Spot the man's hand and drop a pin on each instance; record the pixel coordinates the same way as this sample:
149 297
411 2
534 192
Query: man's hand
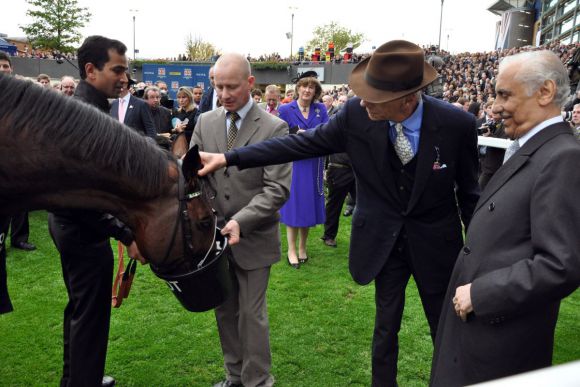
232 231
462 301
211 162
133 252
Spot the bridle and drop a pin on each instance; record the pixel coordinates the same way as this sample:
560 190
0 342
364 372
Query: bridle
183 217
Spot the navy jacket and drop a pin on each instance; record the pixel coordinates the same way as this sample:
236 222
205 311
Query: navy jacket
440 199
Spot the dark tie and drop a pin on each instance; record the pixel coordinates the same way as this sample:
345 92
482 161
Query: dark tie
233 129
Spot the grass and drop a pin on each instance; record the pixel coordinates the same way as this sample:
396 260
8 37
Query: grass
320 326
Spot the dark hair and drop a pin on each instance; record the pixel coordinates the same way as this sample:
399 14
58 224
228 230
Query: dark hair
95 50
6 57
256 92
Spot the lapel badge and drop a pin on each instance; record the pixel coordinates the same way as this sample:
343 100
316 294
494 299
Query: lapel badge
130 106
317 110
437 164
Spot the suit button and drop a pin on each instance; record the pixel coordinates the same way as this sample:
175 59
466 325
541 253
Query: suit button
227 197
466 250
491 206
395 234
402 188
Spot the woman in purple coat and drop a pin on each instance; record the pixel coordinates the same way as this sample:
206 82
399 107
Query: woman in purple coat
305 207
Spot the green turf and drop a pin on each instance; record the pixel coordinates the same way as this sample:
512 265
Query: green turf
320 326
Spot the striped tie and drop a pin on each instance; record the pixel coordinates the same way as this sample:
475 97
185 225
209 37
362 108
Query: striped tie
233 129
509 152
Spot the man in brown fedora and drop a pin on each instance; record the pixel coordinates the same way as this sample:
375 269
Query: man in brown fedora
415 159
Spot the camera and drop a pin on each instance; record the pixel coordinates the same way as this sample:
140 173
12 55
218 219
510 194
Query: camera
483 129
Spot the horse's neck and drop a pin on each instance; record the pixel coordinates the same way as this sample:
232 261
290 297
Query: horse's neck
46 179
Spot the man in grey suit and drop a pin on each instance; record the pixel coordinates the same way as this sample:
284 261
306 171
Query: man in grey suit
247 203
272 97
522 248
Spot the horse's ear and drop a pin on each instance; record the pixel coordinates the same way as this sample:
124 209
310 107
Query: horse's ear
179 146
191 163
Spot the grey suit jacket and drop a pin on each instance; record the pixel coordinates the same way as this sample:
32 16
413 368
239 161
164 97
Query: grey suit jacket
251 196
522 256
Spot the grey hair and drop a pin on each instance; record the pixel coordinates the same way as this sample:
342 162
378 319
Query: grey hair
540 66
148 89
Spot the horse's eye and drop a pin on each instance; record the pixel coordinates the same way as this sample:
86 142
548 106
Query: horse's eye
206 222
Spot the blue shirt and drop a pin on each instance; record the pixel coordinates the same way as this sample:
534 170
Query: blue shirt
411 127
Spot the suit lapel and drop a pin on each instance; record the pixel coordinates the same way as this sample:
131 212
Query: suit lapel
219 130
378 137
426 154
517 161
248 128
130 109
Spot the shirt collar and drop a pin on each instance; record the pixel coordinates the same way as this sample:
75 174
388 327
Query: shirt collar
413 122
245 109
126 98
550 121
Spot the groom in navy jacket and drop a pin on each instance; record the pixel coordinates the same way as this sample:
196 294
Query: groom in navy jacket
415 160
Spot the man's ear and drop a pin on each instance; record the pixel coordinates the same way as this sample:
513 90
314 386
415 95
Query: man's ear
90 70
191 163
546 93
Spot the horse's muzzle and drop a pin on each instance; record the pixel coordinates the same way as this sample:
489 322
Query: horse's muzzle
206 287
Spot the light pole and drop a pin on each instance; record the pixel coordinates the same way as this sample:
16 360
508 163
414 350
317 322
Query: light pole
134 11
292 9
440 24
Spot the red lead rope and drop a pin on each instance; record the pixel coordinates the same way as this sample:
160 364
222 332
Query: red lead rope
123 279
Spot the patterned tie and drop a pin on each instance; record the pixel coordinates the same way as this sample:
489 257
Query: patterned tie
233 129
509 152
121 110
402 145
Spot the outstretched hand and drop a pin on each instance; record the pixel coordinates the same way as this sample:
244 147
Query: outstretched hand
211 162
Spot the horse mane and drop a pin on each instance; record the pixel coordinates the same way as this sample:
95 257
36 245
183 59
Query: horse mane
82 132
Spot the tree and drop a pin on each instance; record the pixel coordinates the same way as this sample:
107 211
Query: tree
334 32
56 24
199 50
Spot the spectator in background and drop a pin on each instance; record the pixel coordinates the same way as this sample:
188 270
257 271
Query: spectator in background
165 100
160 115
133 112
305 207
289 96
256 95
328 102
493 158
185 113
209 101
44 80
68 85
272 103
575 122
197 95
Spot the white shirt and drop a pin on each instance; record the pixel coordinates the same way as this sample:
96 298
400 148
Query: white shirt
542 125
243 112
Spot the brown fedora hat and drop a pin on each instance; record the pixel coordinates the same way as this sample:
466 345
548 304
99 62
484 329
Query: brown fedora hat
394 70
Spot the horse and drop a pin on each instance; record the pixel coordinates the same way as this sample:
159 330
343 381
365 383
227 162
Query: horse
57 152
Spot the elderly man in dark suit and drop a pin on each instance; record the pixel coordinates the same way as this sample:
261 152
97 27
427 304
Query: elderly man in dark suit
415 159
522 249
247 204
133 112
160 115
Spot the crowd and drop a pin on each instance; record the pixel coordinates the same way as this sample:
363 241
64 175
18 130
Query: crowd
413 197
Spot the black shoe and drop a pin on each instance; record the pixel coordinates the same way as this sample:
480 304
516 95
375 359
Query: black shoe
302 260
330 242
24 246
108 381
294 265
227 383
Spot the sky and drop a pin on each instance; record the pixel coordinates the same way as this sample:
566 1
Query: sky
259 27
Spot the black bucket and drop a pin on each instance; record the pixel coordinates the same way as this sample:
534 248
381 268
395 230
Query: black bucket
206 287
